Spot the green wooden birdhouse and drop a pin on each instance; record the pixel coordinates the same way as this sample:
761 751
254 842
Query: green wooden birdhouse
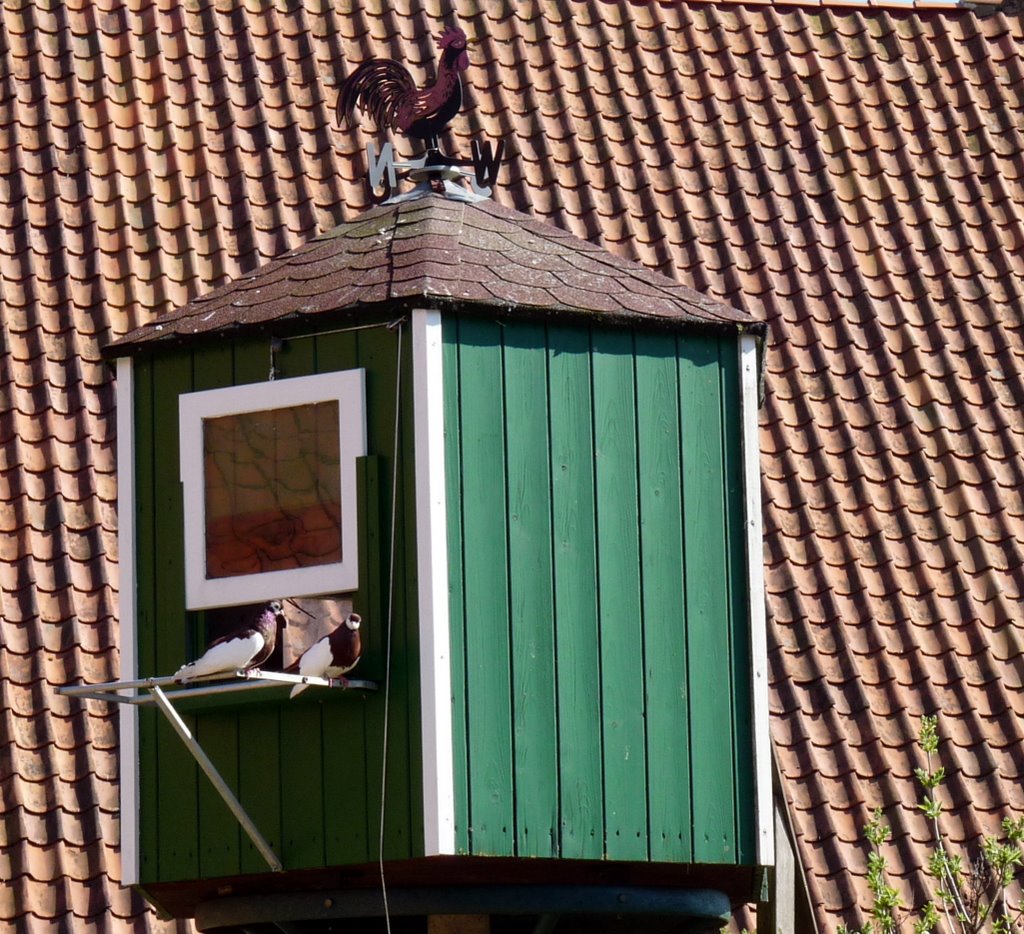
530 467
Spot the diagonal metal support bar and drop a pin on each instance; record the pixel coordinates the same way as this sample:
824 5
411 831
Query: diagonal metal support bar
181 728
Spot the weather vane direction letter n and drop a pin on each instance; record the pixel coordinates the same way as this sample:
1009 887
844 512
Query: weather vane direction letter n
382 171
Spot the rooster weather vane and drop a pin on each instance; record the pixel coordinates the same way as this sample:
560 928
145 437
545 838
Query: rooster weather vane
386 91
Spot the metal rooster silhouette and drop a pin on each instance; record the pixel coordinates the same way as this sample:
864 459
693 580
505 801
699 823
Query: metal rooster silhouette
385 89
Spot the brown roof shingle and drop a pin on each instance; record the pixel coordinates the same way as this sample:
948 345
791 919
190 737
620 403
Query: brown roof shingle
851 175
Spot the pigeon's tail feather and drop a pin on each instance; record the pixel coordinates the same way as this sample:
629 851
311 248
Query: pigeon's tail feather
196 669
298 689
193 670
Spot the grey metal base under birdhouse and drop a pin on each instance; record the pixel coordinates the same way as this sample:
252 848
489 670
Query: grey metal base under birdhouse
691 909
110 692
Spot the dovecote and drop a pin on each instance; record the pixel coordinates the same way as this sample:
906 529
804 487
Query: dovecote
554 515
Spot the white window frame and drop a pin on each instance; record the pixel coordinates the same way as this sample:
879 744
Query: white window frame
348 389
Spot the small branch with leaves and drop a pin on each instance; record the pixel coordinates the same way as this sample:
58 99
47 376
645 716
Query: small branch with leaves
967 899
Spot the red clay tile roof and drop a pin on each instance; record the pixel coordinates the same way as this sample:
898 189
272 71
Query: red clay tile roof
852 175
452 254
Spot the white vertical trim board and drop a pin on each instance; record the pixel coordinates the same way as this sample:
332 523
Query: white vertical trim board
758 621
128 713
432 574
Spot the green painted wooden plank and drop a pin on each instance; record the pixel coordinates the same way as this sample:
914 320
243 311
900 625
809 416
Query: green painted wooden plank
149 808
172 376
145 544
620 620
739 585
456 606
259 781
251 360
371 595
219 842
346 828
337 351
377 352
302 787
178 853
350 834
408 567
578 661
401 834
178 774
368 601
484 558
534 702
372 666
664 611
707 601
297 357
213 366
217 732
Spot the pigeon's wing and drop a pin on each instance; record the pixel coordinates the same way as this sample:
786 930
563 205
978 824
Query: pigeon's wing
314 662
316 659
226 654
336 671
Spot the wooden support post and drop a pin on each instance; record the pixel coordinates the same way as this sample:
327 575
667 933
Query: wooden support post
459 924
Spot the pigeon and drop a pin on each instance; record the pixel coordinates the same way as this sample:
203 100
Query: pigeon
245 648
332 656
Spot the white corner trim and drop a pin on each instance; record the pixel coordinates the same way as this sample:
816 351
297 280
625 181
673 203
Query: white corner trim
765 817
432 574
129 714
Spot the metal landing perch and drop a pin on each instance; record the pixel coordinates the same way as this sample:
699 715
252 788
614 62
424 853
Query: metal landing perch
110 692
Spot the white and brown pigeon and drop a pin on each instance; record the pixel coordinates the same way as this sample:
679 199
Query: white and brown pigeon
332 656
243 649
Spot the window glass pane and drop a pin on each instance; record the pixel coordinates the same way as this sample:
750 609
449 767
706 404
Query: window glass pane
272 483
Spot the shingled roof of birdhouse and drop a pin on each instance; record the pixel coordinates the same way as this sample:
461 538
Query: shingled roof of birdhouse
442 252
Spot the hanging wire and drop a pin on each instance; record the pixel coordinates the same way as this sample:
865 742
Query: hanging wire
277 343
348 329
390 617
275 347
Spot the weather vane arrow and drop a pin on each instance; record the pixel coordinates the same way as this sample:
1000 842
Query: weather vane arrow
386 91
